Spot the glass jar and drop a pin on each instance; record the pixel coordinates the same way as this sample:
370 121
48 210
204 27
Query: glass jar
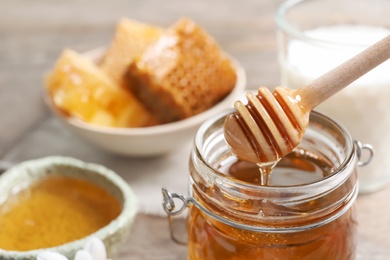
234 219
315 36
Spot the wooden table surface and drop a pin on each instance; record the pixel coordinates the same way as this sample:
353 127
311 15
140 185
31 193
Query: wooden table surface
32 34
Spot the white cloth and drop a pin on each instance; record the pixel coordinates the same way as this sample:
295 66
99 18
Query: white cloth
146 176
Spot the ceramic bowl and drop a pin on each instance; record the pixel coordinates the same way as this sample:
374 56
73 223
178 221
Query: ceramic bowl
148 141
113 234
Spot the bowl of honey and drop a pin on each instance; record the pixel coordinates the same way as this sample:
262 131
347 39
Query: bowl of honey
58 203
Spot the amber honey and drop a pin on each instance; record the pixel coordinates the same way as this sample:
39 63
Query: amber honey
298 167
54 211
305 210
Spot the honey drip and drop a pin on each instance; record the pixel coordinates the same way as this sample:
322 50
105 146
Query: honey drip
265 170
297 168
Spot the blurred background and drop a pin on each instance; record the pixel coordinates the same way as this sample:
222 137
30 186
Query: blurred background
33 33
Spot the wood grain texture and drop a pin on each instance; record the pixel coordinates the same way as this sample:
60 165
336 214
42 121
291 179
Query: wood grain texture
32 34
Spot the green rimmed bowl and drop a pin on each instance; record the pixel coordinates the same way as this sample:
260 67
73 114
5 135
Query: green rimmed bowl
30 172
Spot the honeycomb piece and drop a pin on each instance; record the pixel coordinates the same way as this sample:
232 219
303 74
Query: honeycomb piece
79 88
130 41
182 74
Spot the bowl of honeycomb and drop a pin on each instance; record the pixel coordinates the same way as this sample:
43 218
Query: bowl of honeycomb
147 93
57 204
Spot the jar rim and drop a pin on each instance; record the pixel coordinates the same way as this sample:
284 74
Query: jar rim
337 177
265 203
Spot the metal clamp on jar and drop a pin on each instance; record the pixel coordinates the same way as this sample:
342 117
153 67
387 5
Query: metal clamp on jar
306 212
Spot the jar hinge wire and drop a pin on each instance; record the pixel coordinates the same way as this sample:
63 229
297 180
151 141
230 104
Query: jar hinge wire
170 208
359 151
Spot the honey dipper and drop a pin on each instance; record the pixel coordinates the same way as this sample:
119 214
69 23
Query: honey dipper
272 124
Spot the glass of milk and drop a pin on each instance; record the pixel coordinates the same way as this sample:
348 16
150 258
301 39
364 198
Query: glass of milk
316 35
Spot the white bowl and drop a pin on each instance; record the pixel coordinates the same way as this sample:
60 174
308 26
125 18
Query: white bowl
113 235
154 140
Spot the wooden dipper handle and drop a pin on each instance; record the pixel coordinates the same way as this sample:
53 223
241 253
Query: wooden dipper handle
272 124
341 76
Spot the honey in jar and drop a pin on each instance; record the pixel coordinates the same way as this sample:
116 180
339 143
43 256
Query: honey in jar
305 210
54 211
